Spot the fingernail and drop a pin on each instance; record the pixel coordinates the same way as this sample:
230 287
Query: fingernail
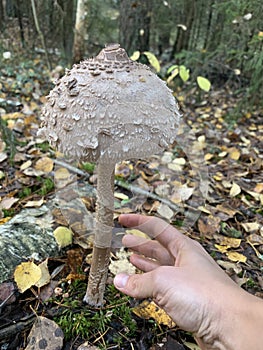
121 280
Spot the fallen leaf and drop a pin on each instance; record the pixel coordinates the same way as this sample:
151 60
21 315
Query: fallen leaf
231 242
3 156
221 248
227 265
236 257
192 346
45 276
259 187
255 239
234 153
26 275
63 236
26 165
235 190
34 204
165 211
208 225
33 172
45 334
148 309
250 226
120 195
7 203
181 193
44 164
137 233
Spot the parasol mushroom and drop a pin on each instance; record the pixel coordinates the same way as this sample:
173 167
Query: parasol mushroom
108 109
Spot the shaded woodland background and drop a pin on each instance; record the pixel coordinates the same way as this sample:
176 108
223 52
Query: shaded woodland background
222 40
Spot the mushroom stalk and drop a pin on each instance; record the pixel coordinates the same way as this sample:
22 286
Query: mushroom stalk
103 235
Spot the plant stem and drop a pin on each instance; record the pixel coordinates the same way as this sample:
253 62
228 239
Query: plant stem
103 235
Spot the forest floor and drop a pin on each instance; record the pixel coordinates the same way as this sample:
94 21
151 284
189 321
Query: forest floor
213 171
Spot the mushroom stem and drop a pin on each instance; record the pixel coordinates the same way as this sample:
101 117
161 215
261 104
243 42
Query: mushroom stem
103 235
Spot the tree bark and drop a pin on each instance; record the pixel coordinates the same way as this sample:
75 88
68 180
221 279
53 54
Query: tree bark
33 5
80 30
134 25
2 16
183 36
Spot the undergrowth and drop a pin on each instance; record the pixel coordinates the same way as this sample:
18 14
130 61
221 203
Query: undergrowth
112 324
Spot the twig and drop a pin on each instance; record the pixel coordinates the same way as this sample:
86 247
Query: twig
151 195
33 5
125 185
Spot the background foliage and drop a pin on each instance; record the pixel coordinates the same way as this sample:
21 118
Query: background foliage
220 39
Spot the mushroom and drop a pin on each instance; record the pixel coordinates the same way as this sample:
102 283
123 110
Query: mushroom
108 109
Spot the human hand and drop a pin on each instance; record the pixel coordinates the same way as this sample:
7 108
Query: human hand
185 281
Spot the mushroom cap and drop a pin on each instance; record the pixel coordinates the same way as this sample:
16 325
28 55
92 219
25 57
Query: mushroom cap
106 101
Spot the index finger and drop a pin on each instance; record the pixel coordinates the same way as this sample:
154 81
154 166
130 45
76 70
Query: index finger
154 227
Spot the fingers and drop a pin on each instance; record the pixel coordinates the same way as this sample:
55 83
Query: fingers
144 264
153 227
137 286
149 248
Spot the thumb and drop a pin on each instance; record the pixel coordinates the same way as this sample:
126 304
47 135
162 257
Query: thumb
137 286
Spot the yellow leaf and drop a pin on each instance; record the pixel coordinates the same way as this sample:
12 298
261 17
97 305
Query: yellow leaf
44 164
208 156
63 236
26 275
120 195
259 187
26 165
221 248
137 233
260 34
135 55
231 242
175 72
218 176
235 190
236 257
149 309
45 276
203 83
234 154
153 60
62 174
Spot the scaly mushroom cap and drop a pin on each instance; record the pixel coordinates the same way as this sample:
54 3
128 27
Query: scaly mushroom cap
105 100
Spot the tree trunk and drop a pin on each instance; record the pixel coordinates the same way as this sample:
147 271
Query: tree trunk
183 36
2 17
80 30
20 21
134 25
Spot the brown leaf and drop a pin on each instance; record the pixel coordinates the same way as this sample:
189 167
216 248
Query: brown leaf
45 334
7 203
208 225
44 164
